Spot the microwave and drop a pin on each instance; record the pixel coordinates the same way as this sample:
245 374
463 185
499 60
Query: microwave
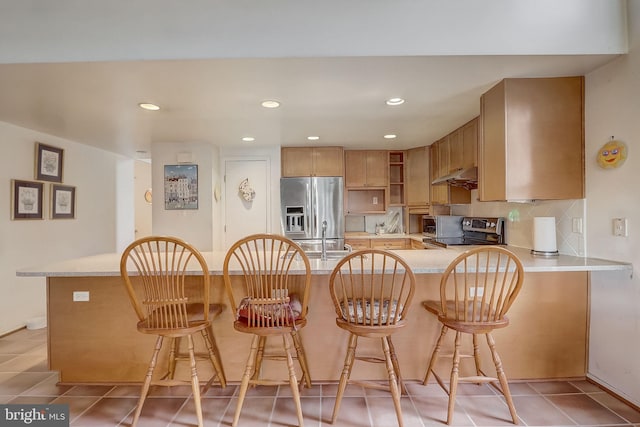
442 225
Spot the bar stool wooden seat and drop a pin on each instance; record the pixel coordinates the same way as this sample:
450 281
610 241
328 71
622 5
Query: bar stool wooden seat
168 283
476 291
371 291
270 301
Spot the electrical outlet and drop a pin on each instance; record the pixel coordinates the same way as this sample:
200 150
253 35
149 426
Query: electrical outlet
620 227
81 296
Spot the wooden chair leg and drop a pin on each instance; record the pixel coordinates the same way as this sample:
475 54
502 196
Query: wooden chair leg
502 377
195 384
455 373
396 365
302 358
258 358
173 353
293 380
147 380
346 373
476 356
215 362
246 377
434 355
393 381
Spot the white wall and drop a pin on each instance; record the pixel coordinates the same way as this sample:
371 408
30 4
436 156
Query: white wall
273 155
143 216
612 109
196 226
100 218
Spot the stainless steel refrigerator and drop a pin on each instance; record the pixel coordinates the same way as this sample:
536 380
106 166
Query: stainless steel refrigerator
305 203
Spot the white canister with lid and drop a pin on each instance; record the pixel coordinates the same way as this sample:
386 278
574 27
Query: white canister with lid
544 236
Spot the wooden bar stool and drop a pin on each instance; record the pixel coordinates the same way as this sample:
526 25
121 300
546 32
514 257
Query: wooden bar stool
168 283
371 291
476 291
270 301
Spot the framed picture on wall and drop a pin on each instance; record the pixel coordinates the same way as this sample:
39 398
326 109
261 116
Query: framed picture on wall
48 163
63 201
180 187
26 199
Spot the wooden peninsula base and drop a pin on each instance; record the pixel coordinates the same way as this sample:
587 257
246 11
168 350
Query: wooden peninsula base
97 341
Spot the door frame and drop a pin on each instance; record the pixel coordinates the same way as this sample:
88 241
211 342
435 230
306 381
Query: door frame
223 198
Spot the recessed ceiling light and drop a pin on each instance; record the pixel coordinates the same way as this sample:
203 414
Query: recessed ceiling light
148 106
313 138
390 136
248 139
395 101
270 103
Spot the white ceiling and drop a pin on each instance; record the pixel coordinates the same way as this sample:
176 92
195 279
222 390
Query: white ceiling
338 98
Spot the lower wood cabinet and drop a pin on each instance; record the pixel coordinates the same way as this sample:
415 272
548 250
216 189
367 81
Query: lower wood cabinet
389 243
417 245
357 244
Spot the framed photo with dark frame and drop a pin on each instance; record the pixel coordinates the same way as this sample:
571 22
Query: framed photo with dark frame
49 163
63 201
26 199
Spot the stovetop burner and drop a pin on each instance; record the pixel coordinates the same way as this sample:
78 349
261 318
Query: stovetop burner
445 242
476 231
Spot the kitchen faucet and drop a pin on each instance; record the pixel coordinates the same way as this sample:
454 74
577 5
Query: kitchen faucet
323 256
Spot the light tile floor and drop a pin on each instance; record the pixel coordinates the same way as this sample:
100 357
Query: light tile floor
24 378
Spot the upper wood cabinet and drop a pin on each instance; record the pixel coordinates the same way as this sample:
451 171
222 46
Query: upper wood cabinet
531 143
397 176
444 157
454 151
312 161
444 194
469 135
439 192
459 149
366 168
417 176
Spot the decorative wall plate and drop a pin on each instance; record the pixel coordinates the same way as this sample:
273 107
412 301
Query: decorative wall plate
612 154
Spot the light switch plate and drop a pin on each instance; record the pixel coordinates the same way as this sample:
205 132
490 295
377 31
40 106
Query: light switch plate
576 225
620 227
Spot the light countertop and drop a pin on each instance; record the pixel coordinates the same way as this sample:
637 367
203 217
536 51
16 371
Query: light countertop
365 235
432 261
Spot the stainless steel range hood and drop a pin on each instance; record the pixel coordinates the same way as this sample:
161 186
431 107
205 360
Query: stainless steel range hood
466 178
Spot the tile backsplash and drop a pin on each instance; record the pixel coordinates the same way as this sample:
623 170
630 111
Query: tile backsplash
519 220
392 221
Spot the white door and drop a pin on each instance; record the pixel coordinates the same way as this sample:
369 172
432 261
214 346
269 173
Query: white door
242 216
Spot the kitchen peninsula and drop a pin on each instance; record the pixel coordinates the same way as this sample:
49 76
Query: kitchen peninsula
96 341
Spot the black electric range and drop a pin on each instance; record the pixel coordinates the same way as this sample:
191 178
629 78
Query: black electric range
475 231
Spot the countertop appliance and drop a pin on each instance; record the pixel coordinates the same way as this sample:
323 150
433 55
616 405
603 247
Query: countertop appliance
434 226
475 231
306 203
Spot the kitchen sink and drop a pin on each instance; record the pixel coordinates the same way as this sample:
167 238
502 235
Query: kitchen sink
331 254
